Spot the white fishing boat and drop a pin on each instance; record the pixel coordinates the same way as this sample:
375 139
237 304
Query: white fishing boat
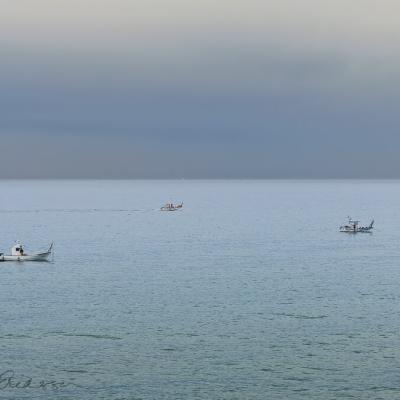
18 254
171 207
353 227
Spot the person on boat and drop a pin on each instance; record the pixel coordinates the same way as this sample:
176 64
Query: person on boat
20 250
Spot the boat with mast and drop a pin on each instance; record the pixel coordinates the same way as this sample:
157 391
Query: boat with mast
18 254
353 227
171 207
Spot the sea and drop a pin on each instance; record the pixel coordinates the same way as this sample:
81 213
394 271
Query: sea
250 292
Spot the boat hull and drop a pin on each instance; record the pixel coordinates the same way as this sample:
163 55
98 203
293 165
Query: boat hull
29 257
357 231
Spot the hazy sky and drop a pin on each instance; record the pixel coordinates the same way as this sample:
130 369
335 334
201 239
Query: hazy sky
200 88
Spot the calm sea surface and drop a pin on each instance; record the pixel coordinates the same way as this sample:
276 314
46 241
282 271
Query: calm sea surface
250 292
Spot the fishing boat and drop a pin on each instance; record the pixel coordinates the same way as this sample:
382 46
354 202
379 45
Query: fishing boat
18 254
171 207
353 227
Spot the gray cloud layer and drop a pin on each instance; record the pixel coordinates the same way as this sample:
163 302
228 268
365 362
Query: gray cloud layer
120 89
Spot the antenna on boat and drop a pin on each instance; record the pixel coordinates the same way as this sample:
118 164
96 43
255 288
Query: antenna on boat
52 251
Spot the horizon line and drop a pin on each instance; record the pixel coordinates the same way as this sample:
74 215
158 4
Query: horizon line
199 179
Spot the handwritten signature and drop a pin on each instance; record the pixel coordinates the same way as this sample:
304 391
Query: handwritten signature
10 380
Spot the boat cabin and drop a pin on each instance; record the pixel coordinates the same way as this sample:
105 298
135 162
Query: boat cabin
17 250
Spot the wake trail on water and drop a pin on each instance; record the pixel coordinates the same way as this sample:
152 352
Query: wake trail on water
87 210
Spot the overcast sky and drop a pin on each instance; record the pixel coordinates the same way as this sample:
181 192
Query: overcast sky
199 88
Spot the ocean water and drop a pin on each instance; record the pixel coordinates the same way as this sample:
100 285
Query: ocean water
250 292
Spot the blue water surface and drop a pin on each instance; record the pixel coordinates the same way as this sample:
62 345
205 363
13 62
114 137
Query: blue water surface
249 292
